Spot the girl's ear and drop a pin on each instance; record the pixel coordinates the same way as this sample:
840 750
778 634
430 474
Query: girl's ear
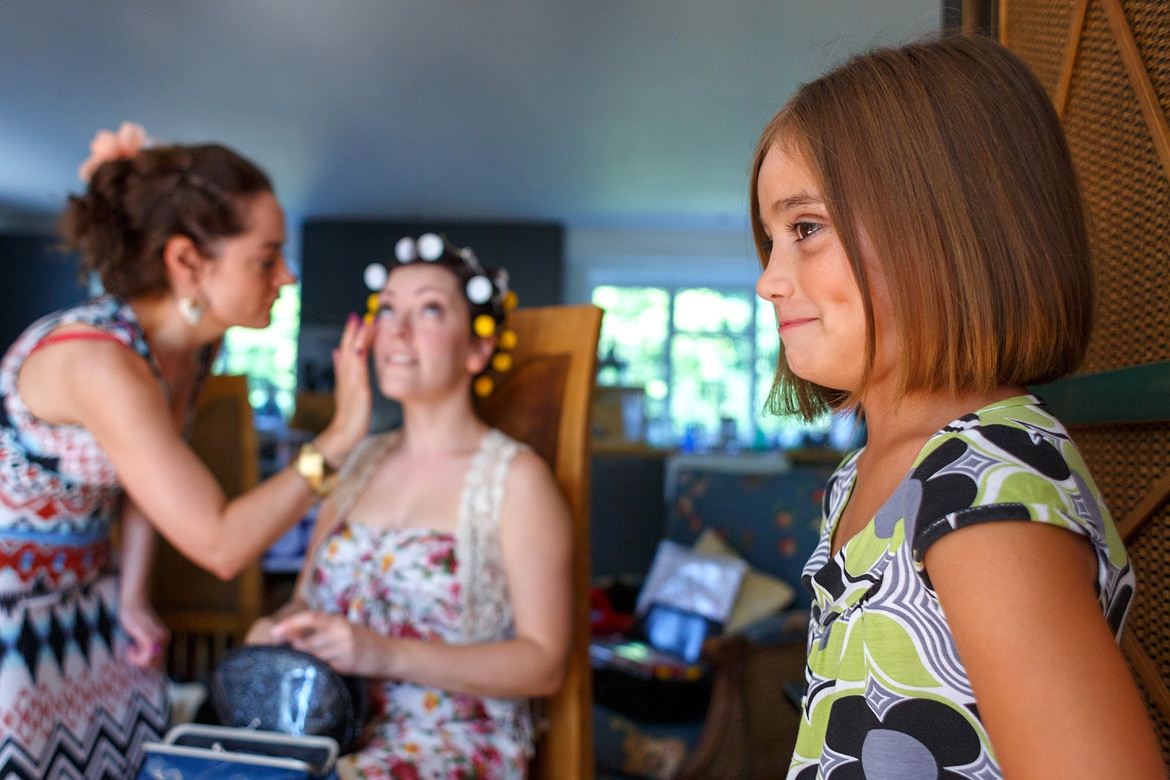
183 263
481 352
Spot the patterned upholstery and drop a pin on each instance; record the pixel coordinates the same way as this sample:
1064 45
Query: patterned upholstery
769 512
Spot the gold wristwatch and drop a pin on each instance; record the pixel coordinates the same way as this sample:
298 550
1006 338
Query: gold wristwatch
315 470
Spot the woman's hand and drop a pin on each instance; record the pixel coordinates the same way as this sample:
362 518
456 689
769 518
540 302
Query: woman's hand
148 636
347 647
260 632
352 394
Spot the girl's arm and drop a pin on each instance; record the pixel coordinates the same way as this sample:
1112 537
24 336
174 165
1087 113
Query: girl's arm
1051 683
536 539
111 391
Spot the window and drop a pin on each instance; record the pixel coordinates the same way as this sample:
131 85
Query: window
268 357
705 359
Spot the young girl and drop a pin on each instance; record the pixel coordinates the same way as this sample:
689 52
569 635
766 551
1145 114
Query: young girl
923 242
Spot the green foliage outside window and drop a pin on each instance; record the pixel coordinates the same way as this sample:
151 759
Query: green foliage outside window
269 356
705 358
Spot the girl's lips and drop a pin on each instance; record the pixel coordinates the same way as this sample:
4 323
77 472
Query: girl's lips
786 324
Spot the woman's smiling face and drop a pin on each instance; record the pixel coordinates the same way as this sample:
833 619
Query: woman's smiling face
423 343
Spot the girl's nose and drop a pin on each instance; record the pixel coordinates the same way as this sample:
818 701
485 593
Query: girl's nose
775 281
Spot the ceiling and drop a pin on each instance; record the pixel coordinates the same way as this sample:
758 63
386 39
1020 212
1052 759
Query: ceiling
598 114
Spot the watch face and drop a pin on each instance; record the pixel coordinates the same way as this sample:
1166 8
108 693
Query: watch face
315 463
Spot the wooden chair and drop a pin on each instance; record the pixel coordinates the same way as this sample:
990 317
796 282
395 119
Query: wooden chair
205 614
546 400
312 412
750 728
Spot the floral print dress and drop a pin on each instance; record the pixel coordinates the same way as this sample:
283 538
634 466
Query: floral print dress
405 583
887 694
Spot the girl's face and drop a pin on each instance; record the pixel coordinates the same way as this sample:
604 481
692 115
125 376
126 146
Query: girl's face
809 280
242 281
423 344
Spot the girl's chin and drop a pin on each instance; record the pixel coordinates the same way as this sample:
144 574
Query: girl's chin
820 378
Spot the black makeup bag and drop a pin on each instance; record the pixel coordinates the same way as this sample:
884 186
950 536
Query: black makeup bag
276 688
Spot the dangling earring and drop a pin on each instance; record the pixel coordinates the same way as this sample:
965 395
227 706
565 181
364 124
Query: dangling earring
191 310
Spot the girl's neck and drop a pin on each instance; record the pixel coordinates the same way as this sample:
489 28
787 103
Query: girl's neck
897 428
892 421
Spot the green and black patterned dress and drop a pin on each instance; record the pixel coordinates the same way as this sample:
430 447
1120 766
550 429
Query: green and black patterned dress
887 695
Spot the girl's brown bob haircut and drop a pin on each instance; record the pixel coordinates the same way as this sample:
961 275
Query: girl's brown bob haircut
950 160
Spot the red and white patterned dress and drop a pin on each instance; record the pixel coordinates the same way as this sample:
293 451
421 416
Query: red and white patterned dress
71 705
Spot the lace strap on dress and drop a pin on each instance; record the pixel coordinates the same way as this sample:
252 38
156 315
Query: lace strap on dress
359 467
483 583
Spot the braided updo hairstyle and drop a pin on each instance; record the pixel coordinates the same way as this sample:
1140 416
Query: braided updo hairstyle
134 205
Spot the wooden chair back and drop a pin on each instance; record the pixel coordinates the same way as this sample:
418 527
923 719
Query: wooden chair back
206 615
312 411
546 401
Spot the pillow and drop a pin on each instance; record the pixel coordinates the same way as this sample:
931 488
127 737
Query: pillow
759 595
692 581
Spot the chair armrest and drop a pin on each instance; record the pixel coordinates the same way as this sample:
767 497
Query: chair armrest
750 729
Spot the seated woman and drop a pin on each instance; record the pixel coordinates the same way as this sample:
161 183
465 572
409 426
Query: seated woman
440 564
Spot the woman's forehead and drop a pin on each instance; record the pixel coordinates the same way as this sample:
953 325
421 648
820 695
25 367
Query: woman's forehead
418 276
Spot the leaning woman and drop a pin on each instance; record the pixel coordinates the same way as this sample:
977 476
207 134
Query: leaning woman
94 404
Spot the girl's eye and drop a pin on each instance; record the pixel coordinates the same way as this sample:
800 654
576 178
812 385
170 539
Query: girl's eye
384 312
432 309
803 230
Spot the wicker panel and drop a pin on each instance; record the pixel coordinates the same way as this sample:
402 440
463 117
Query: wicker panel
1038 32
1160 722
1150 614
751 726
1125 461
1150 21
1127 196
1128 201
